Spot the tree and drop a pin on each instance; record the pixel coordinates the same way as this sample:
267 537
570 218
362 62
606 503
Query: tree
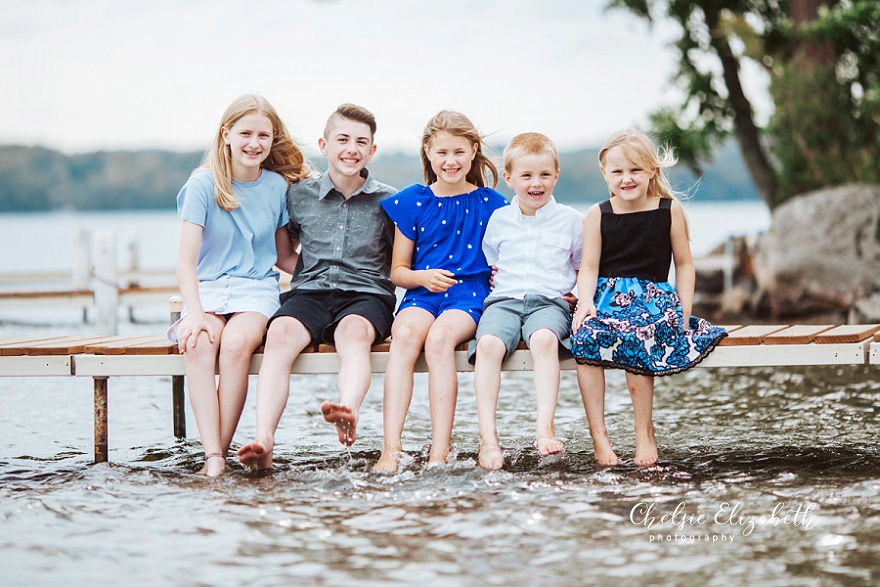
822 58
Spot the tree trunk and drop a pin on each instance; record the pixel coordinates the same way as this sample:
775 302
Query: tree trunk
811 54
747 133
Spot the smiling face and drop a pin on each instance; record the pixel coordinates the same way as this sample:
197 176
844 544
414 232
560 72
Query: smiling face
249 140
532 177
348 146
451 157
626 179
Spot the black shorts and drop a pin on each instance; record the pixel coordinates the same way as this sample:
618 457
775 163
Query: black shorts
321 311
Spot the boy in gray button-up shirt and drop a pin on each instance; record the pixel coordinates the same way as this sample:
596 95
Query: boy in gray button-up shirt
341 292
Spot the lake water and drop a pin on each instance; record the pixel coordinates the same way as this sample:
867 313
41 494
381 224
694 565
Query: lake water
766 476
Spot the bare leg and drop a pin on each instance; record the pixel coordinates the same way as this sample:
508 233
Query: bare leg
407 339
450 329
591 381
287 337
200 362
354 336
545 353
242 335
641 390
487 386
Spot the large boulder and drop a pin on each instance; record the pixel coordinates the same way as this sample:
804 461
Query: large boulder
821 253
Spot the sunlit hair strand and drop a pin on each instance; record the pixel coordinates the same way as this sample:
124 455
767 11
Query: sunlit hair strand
285 157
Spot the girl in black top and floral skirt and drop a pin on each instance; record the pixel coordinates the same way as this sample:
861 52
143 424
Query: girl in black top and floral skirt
629 316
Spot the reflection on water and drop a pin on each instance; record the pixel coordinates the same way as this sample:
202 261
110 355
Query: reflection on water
767 476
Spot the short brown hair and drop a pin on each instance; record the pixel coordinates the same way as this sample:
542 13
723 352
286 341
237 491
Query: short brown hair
351 112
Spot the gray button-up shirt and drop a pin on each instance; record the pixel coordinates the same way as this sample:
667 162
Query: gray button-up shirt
346 244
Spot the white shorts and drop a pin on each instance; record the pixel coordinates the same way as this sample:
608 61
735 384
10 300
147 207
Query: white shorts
229 295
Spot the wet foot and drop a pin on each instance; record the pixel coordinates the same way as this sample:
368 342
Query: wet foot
215 464
646 450
548 445
438 456
388 462
256 454
344 419
606 458
490 457
605 455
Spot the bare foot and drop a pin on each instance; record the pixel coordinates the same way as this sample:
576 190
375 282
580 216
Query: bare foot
438 456
215 464
388 462
548 445
605 455
490 457
256 454
345 420
646 450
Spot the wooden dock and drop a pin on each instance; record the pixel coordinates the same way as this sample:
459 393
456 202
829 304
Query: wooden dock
103 357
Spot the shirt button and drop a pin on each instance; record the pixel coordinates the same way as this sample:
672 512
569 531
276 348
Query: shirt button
341 227
338 249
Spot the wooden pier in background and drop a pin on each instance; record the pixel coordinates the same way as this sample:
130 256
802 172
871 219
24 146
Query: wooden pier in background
101 358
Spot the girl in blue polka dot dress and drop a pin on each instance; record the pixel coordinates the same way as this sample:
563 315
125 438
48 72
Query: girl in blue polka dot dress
439 260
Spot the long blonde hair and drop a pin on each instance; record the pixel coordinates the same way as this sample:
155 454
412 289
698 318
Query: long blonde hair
638 148
459 125
284 158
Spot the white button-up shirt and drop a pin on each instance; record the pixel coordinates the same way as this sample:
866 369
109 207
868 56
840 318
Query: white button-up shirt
534 254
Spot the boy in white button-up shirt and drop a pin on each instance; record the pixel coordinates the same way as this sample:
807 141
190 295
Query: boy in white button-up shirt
536 246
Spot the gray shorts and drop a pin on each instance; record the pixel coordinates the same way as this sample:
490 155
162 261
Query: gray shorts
514 320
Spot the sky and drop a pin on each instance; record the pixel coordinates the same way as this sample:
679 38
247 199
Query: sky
87 75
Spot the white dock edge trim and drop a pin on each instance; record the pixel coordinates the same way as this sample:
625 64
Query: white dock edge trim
520 360
47 366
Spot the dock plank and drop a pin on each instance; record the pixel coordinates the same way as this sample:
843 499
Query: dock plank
848 333
14 347
729 327
800 334
751 335
65 346
142 345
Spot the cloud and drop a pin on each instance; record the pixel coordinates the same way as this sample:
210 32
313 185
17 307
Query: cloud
106 74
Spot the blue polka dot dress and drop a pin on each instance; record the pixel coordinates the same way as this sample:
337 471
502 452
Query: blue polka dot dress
447 232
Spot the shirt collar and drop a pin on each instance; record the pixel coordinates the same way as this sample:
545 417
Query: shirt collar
327 184
544 210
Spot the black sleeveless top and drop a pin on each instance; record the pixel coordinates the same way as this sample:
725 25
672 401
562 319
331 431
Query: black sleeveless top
636 244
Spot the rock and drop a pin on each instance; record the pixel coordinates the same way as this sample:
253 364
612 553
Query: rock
821 253
866 311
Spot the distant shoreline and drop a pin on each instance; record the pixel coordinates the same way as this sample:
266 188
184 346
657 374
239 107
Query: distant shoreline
37 179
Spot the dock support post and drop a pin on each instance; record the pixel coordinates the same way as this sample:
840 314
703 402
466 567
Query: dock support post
131 265
82 263
178 398
100 419
106 289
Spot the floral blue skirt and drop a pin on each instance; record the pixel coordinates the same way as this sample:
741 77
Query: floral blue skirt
638 327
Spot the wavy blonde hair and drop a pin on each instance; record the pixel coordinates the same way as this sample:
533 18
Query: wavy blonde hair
285 157
459 125
640 149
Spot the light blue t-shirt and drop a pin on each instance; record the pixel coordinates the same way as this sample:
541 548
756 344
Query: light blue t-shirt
240 243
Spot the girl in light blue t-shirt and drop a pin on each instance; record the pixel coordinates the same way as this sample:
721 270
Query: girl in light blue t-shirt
234 216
